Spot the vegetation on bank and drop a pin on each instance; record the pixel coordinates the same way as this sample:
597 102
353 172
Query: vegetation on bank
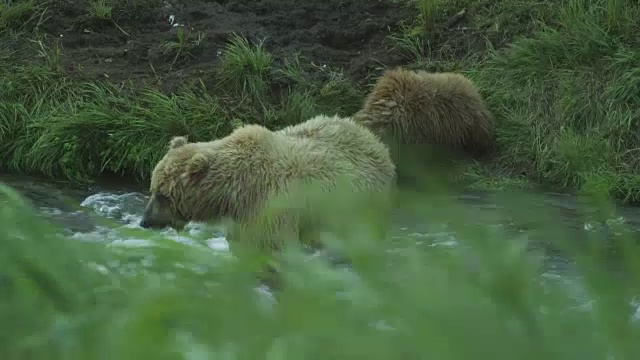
560 76
68 299
484 297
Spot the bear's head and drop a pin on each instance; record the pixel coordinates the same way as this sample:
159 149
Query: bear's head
175 183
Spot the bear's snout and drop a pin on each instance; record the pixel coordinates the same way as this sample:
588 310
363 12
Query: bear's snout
144 223
148 223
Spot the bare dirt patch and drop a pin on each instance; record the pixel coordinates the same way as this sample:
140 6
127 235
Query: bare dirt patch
351 35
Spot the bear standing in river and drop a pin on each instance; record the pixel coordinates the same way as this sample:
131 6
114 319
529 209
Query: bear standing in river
418 107
235 176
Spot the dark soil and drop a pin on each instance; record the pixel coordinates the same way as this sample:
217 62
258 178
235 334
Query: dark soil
341 34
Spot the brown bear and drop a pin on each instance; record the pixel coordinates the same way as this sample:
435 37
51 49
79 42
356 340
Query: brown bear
234 177
418 107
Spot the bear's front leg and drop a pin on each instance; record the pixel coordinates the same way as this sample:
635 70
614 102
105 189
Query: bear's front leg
260 241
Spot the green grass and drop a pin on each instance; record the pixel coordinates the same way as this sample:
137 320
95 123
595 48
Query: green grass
121 9
14 15
560 76
567 99
484 298
182 48
245 67
52 125
100 9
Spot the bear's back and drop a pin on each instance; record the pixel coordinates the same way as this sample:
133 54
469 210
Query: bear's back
331 147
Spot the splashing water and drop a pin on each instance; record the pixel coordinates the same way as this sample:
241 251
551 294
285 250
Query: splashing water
126 209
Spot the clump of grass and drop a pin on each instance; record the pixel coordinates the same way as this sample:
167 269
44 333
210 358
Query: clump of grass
50 56
337 94
570 114
330 89
14 14
245 67
427 13
294 71
100 9
296 105
412 43
399 298
183 47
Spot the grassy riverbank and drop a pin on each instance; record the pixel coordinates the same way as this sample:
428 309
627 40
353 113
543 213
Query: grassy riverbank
100 87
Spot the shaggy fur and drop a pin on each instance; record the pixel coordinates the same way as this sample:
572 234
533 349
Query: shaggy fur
417 107
235 176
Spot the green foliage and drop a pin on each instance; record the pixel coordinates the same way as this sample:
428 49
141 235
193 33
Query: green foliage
100 9
182 48
427 12
245 67
561 78
566 100
15 14
401 298
56 126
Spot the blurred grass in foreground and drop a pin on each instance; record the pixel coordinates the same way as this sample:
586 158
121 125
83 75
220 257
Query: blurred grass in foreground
482 299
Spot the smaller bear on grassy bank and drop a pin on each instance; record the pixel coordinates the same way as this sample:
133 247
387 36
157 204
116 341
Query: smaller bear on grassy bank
234 177
418 107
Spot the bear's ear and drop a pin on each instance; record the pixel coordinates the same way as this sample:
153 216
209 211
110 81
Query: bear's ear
178 141
198 166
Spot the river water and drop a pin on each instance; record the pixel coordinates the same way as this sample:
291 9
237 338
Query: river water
105 212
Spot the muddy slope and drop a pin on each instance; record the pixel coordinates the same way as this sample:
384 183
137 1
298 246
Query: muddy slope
343 34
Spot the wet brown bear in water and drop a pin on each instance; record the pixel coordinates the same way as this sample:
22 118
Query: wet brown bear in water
418 107
233 177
